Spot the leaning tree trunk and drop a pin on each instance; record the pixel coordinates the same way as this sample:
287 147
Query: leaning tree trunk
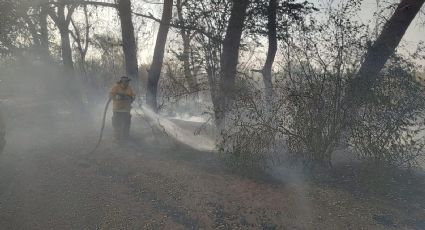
383 48
271 53
229 59
158 56
128 40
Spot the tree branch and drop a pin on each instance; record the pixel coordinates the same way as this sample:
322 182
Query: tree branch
86 47
94 3
82 2
76 36
53 16
199 30
257 71
70 12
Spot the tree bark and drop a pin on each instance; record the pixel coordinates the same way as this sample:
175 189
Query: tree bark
71 84
229 59
62 22
82 43
272 49
185 34
128 40
66 48
158 56
383 48
44 34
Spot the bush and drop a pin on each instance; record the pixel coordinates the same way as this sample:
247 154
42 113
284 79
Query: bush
309 110
248 134
390 124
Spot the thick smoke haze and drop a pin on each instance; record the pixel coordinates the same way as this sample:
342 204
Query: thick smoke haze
213 114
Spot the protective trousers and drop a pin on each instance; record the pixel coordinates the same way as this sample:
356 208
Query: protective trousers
121 122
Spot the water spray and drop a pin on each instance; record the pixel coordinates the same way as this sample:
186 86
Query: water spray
172 130
164 125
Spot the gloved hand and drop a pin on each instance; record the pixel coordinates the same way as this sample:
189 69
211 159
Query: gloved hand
123 97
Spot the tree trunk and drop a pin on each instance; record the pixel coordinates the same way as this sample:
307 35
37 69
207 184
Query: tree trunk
82 43
62 23
71 82
229 59
271 53
71 86
128 40
383 48
44 35
185 34
66 48
190 78
158 56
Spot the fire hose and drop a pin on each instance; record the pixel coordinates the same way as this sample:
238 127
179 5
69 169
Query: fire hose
102 127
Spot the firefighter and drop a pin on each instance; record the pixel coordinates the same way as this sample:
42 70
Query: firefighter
122 96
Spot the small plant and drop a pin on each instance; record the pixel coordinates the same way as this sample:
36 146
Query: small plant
248 135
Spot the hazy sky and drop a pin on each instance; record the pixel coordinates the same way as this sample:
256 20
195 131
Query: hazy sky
415 33
147 31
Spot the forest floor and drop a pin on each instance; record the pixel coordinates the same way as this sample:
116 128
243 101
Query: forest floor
153 182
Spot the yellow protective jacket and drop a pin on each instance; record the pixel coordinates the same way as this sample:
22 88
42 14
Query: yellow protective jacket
122 97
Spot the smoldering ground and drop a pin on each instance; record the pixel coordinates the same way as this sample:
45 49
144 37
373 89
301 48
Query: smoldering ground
47 181
162 178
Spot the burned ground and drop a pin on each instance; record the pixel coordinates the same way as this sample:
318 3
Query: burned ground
153 182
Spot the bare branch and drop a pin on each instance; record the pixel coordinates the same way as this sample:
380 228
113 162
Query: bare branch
257 71
153 3
76 36
95 3
73 35
70 12
86 47
199 30
82 2
53 16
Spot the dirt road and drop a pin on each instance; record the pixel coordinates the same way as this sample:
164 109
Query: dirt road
151 182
